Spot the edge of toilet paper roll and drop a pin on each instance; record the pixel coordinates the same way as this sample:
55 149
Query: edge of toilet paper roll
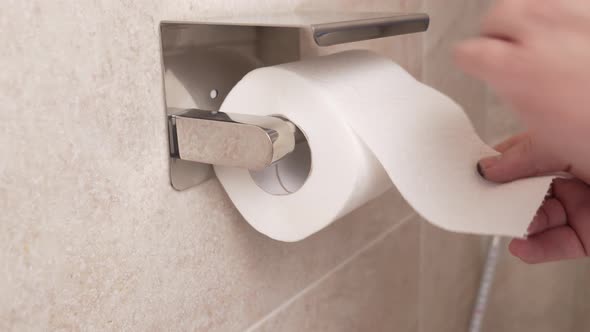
514 229
519 229
294 231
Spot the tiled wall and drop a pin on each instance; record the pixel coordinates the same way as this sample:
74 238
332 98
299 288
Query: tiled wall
544 298
92 236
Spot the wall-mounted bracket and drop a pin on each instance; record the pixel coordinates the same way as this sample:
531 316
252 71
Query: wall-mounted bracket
203 61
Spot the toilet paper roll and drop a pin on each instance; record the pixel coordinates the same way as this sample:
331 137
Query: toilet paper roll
366 120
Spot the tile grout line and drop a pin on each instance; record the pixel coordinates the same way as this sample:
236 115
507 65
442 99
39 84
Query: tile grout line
328 274
421 243
420 311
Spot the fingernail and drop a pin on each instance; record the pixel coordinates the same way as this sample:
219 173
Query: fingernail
486 163
489 162
480 170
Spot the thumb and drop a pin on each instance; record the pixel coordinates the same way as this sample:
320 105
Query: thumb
521 158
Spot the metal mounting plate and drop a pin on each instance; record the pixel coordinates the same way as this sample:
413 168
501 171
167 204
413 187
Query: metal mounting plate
202 61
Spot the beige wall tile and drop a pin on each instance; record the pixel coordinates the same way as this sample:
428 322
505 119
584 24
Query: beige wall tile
377 291
92 236
450 271
207 271
537 297
581 318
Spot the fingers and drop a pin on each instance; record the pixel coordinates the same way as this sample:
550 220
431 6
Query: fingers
499 56
575 197
555 244
487 59
574 194
507 20
551 215
522 158
561 229
510 142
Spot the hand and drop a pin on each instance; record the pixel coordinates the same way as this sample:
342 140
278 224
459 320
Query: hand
536 56
561 228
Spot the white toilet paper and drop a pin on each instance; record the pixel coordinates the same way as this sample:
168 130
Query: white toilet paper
366 121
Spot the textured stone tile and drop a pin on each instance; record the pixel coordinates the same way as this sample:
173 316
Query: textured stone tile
92 236
581 319
545 297
450 271
377 291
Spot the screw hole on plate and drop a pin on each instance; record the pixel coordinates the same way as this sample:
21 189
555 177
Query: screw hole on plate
214 93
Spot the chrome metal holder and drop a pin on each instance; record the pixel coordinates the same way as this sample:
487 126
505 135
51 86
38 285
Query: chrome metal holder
238 140
203 61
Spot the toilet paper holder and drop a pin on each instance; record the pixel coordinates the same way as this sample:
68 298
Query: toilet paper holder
238 140
202 61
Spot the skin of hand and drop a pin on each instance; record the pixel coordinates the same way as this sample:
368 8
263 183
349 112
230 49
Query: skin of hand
536 57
